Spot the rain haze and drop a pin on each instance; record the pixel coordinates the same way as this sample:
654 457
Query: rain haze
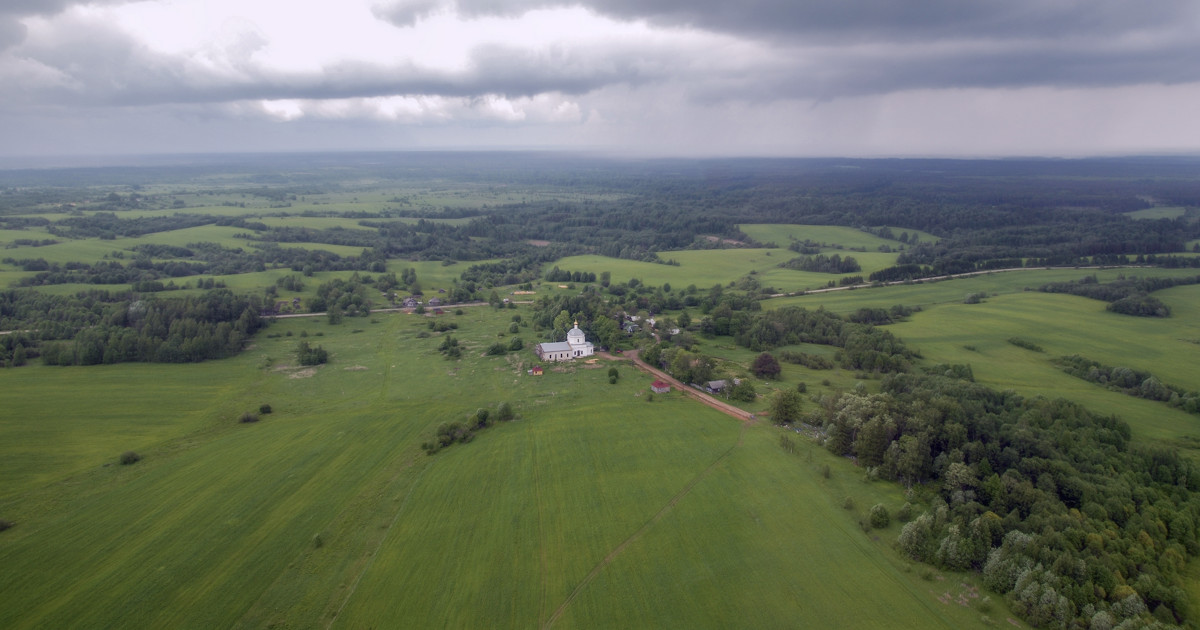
651 77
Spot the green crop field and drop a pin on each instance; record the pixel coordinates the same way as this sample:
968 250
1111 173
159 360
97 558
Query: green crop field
847 237
594 508
929 293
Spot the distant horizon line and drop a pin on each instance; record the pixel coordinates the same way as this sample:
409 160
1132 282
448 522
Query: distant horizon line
176 158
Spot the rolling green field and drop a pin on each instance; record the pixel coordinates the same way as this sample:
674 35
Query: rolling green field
594 508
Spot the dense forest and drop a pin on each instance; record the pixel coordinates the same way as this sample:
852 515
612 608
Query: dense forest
101 327
1047 500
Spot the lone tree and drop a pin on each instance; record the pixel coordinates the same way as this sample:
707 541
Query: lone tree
785 409
765 366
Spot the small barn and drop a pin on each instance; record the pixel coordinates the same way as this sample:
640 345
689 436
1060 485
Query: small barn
716 387
660 387
536 371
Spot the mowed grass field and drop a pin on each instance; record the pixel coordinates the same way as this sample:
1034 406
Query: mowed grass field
596 507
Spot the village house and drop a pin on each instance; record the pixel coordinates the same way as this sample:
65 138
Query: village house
660 387
574 347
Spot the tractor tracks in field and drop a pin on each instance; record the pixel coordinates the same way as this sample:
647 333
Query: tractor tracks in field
616 551
374 553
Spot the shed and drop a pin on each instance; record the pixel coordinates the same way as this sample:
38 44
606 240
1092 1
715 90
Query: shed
715 387
660 387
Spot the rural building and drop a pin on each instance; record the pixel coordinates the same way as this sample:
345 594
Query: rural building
574 347
715 387
660 387
435 301
536 371
411 302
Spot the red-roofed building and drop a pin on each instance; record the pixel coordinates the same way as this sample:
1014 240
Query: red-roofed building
660 387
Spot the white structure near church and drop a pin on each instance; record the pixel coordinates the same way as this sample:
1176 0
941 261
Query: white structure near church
574 347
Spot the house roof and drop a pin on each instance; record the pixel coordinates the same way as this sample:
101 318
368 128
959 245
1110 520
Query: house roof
717 384
555 346
659 384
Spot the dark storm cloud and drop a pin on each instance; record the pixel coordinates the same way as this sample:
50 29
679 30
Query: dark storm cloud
891 20
877 46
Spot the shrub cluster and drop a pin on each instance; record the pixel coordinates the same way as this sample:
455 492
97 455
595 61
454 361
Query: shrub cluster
308 355
454 432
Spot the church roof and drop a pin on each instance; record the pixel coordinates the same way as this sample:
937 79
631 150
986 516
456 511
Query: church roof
555 346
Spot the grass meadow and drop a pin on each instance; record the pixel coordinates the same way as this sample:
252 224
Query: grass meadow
596 507
1063 324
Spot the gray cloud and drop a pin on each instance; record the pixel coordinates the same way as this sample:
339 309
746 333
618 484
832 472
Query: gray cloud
998 43
404 13
91 64
12 32
873 20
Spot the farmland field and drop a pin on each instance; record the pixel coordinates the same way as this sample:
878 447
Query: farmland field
569 514
243 489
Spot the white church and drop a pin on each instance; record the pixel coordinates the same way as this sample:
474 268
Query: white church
574 347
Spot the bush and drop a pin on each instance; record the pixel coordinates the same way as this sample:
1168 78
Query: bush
515 344
613 374
879 516
6 524
307 355
743 391
248 417
497 349
802 387
481 418
505 412
264 409
848 503
130 457
765 366
612 380
1025 343
905 513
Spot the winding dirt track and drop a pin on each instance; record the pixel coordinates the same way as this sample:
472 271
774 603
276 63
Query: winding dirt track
723 407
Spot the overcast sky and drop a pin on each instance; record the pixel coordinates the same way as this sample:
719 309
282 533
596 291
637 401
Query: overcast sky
658 77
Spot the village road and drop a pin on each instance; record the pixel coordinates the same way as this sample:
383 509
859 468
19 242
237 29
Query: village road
723 407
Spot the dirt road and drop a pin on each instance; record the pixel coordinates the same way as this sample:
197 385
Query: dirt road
723 407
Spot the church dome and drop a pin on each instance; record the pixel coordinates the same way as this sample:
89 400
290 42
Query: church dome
575 335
